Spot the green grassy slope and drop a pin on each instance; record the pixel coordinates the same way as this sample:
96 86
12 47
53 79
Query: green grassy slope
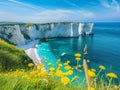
12 57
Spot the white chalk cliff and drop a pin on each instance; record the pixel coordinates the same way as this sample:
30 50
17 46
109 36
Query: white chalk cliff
19 34
12 34
69 30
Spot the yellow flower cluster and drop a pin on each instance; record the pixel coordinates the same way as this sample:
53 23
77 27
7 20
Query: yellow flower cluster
102 67
91 73
65 80
112 75
40 66
78 59
39 73
67 62
67 67
59 65
70 72
30 65
42 73
51 69
77 56
60 73
92 88
63 74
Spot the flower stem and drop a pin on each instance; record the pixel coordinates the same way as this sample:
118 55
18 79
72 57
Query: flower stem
86 74
109 83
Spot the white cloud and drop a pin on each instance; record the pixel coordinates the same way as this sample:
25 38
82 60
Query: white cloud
71 3
114 4
25 4
63 15
105 4
50 16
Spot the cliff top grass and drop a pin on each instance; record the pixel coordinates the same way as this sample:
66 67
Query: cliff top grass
12 58
31 24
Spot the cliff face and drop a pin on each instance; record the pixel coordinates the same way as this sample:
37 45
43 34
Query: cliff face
20 34
12 34
69 30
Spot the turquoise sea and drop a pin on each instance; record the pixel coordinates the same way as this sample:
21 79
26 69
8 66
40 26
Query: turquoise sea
103 48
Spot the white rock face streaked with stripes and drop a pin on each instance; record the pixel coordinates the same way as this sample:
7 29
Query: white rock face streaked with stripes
12 34
66 30
18 34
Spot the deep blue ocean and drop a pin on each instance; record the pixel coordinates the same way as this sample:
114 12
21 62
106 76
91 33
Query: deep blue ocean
103 47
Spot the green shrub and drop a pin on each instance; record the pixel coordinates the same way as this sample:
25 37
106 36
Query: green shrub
28 25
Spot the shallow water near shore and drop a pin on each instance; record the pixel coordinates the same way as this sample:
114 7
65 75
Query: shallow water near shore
103 48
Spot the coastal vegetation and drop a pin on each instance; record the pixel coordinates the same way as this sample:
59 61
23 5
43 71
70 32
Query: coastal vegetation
12 58
8 24
59 77
28 25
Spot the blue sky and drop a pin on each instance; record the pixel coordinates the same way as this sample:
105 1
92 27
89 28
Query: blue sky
60 10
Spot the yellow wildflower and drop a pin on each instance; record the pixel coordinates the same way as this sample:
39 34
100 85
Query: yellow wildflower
67 67
42 73
91 73
30 65
60 65
51 69
70 72
32 73
65 80
78 59
40 66
59 73
102 67
92 88
112 75
65 63
39 74
77 55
